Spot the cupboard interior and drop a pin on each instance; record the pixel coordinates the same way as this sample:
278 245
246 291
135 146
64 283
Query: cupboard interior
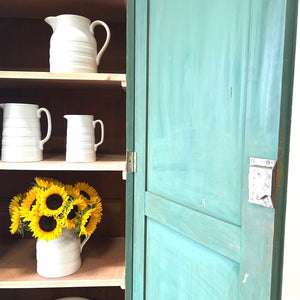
25 41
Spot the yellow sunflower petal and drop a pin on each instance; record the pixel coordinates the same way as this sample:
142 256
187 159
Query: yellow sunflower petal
52 201
15 220
15 202
89 221
45 227
29 205
70 217
89 194
45 182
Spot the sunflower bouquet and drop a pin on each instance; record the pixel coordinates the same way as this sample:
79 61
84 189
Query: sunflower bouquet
49 206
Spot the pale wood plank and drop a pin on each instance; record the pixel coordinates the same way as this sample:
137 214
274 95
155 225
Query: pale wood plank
215 234
103 264
58 163
32 79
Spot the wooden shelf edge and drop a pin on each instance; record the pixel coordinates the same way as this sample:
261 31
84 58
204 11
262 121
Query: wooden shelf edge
103 264
67 284
58 163
23 78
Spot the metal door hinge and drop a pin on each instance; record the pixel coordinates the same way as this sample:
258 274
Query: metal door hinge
261 181
130 163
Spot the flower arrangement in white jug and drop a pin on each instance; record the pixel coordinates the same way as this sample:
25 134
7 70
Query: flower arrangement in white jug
49 206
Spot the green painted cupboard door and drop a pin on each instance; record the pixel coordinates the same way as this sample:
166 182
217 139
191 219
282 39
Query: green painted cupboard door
212 89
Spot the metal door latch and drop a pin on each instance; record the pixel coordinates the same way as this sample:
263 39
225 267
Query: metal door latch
261 181
130 164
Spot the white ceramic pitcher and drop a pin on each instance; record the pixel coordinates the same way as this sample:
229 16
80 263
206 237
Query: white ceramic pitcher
81 146
59 257
21 134
73 48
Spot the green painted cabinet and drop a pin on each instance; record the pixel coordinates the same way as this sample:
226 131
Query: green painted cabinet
208 87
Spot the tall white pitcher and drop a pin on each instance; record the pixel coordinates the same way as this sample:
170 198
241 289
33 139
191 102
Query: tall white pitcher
73 48
81 146
59 257
21 134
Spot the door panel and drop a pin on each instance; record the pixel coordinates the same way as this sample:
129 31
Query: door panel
179 268
196 104
210 81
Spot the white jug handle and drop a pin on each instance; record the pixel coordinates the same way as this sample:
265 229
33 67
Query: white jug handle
84 242
45 110
102 133
92 26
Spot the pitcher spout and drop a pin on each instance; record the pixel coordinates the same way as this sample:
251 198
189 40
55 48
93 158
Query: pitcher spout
2 105
51 21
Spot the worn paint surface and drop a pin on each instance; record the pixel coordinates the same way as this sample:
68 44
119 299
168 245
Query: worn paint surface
208 80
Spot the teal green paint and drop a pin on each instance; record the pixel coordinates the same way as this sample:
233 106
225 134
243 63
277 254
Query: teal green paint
140 81
221 237
197 62
181 269
129 146
198 121
264 109
264 77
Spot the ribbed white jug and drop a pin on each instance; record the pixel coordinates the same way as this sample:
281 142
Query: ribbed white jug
21 133
80 145
73 48
59 257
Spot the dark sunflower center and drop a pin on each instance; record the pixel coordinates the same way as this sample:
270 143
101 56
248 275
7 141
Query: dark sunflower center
72 213
32 204
54 201
85 194
47 224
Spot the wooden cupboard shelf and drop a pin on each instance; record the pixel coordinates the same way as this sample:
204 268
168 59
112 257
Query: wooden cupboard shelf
103 264
58 163
20 79
106 10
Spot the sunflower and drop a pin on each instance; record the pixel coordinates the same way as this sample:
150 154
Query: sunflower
89 221
45 182
14 210
70 215
16 201
45 227
89 194
53 200
29 205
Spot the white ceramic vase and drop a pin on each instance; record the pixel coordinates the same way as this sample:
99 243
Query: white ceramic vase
80 145
73 48
21 134
59 257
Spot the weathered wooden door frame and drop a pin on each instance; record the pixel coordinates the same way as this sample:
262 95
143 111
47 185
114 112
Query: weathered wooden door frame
137 60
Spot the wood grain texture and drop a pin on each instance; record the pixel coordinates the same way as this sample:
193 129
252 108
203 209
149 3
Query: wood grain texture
103 264
197 104
215 73
140 125
94 293
58 163
107 10
9 79
266 109
221 237
25 44
179 268
105 103
130 115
